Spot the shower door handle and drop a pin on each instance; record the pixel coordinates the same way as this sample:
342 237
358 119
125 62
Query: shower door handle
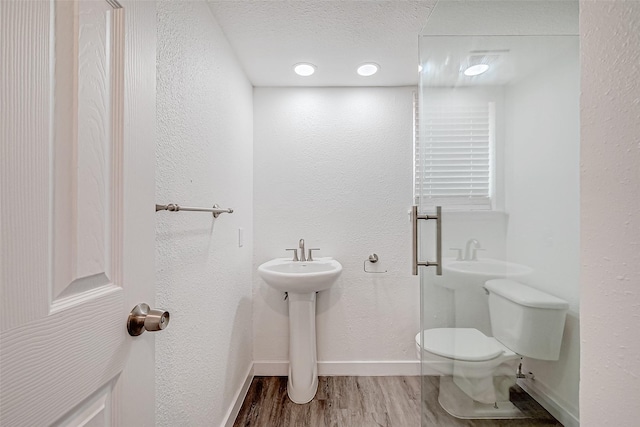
414 223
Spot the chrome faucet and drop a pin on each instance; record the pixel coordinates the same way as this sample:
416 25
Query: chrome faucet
471 256
302 257
301 246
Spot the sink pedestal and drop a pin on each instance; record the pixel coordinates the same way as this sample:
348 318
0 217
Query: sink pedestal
303 367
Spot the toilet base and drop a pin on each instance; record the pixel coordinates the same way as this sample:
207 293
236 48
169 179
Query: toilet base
458 404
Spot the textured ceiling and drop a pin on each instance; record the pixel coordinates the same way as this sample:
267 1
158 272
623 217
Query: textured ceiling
269 37
511 58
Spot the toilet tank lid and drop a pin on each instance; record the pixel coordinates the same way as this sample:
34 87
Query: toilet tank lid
525 295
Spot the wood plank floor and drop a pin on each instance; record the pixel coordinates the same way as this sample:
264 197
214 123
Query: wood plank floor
367 401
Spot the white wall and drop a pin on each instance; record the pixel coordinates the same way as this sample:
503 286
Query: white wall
543 202
610 205
334 166
204 156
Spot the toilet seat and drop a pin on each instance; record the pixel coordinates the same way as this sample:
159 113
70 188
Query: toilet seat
466 344
439 355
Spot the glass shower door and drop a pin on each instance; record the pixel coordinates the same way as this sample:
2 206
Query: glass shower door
497 147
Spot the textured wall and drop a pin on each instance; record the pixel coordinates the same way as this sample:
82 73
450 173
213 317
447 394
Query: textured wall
543 202
204 156
610 225
334 166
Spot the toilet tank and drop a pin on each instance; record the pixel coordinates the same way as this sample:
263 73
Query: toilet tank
528 321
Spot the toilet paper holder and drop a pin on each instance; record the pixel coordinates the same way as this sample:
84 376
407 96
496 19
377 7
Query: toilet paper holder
373 258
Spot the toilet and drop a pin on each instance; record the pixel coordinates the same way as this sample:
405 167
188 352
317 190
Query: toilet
476 370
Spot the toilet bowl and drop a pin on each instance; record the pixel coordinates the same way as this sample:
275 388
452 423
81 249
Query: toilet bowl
476 370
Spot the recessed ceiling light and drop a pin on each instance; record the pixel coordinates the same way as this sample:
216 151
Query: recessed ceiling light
304 69
368 69
475 70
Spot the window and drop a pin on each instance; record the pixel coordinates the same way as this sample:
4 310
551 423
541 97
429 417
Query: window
454 146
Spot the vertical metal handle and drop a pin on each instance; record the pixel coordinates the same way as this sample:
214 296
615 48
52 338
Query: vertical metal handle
414 225
439 240
414 242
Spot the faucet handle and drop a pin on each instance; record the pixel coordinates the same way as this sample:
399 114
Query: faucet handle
459 256
295 254
474 253
310 258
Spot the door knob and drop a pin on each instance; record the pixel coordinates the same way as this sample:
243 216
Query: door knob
143 318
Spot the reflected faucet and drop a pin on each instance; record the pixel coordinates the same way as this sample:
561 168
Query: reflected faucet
468 256
301 246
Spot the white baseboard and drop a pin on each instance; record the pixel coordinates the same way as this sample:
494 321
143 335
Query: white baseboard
561 410
270 368
370 368
238 399
356 368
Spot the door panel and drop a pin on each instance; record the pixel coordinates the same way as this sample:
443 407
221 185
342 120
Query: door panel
94 412
87 148
24 208
52 364
69 74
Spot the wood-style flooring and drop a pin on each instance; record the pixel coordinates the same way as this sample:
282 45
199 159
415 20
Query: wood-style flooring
367 402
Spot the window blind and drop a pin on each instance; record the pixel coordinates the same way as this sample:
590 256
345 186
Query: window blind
454 155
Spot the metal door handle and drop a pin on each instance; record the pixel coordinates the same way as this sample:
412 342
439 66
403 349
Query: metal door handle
143 318
414 222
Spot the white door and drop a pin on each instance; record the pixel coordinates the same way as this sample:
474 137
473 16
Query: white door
77 104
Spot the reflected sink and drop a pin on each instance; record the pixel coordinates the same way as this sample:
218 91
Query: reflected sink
300 277
462 274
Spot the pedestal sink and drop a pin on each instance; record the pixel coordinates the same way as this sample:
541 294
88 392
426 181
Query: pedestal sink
301 280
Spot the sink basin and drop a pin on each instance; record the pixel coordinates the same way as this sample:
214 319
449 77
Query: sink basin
300 277
463 274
